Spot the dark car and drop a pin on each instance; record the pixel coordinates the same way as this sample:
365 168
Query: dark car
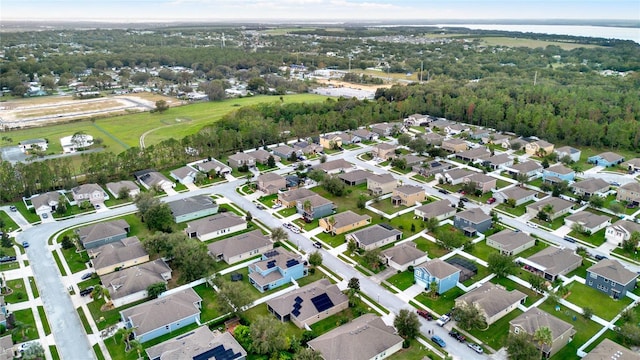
464 199
13 208
260 207
86 291
443 191
425 314
600 257
456 335
86 276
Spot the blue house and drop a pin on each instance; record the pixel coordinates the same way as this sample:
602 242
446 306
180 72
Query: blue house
610 277
163 315
472 221
103 233
606 159
277 267
3 312
445 275
315 207
558 173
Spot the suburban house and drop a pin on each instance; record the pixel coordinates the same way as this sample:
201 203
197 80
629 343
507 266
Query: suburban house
92 193
587 221
431 168
474 155
433 139
454 145
558 207
509 242
213 167
240 247
629 192
290 198
335 166
608 349
479 133
606 159
552 262
417 120
116 187
408 195
276 268
590 187
440 124
384 151
261 156
355 177
379 184
284 151
315 207
386 129
444 275
184 175
307 148
455 129
38 144
492 300
472 221
163 315
620 231
484 183
498 139
374 236
271 182
520 195
200 343
343 222
77 142
7 351
538 147
241 159
151 178
568 151
558 173
533 319
401 256
611 277
293 181
366 337
215 226
454 176
191 208
438 210
527 168
516 144
412 160
500 161
3 316
365 135
331 141
130 284
46 203
632 164
117 255
309 304
92 236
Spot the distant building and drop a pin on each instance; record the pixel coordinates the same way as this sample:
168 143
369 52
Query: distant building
36 144
77 142
606 159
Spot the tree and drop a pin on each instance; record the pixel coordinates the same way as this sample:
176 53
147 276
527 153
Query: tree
596 201
124 335
271 161
372 258
354 283
279 235
519 347
434 288
544 337
537 283
123 193
192 258
33 352
587 312
630 245
248 216
136 346
154 290
307 354
215 89
316 175
315 258
20 330
144 201
159 217
268 336
352 246
407 324
630 334
362 201
161 106
232 298
67 242
469 316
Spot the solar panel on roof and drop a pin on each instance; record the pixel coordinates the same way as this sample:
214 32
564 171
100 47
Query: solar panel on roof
271 264
387 226
297 306
292 262
218 353
322 302
295 312
271 253
298 299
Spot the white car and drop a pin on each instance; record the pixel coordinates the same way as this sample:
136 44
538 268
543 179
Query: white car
276 206
443 320
295 229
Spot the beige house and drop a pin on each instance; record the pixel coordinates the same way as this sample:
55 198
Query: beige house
539 147
291 197
343 222
484 183
384 151
530 321
240 159
408 195
520 195
493 301
380 184
454 145
438 210
329 141
403 255
509 242
215 226
116 187
335 166
558 207
309 304
632 164
590 187
588 221
92 193
130 284
118 255
240 247
629 192
271 182
262 156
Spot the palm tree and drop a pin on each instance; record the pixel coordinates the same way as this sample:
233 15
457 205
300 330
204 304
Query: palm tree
306 206
331 221
543 336
278 234
137 346
124 335
21 328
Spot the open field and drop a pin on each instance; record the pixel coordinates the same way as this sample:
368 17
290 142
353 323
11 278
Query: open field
530 43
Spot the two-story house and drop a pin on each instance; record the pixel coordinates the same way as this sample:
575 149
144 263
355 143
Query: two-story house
620 231
241 159
383 151
269 183
558 173
533 319
92 193
611 277
436 272
570 152
629 192
315 207
408 195
343 222
538 147
454 145
606 159
276 268
472 221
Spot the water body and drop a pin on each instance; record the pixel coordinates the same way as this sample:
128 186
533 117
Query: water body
621 33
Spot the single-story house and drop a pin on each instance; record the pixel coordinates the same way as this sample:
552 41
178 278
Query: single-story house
276 268
39 144
474 155
77 142
519 194
240 247
365 135
379 184
290 198
240 159
440 124
92 236
309 304
387 129
438 210
433 139
366 337
629 192
262 156
472 221
200 343
558 173
454 176
184 175
608 349
444 275
284 151
529 322
92 193
538 147
590 187
620 231
315 207
454 145
335 166
46 203
270 183
130 284
552 262
558 206
611 277
215 226
191 208
412 160
384 151
479 133
343 222
163 315
455 129
374 236
355 177
116 187
151 178
408 195
401 256
568 151
307 148
493 301
431 168
632 164
498 161
121 254
606 159
588 221
509 242
212 167
528 168
484 183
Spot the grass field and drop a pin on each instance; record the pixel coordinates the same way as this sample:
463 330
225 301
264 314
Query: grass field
530 43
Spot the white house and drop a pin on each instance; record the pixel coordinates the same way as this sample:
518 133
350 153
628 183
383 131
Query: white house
73 143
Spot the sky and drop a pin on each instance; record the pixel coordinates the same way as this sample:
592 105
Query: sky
319 10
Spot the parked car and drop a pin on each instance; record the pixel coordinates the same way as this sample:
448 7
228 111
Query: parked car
438 340
491 200
456 335
425 314
45 215
477 348
260 207
86 276
443 320
443 191
97 206
7 259
317 245
86 291
25 244
276 206
464 199
13 208
600 257
614 183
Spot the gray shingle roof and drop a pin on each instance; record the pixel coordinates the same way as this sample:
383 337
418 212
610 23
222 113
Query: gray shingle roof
435 209
557 203
510 240
117 252
587 219
114 187
295 195
334 165
408 189
191 204
611 156
194 343
45 199
591 185
404 253
474 215
135 279
559 169
491 298
631 186
214 223
534 318
373 234
239 244
613 270
527 166
270 176
99 231
517 193
609 350
356 175
555 260
439 269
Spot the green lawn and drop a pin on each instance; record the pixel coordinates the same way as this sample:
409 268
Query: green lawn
19 293
423 179
516 211
317 275
85 322
209 298
96 349
510 285
331 240
104 319
268 200
261 310
441 304
415 351
496 335
286 212
5 219
540 245
402 281
30 215
481 250
34 288
30 332
56 356
77 261
555 224
387 207
581 271
45 322
333 321
595 239
601 304
433 249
